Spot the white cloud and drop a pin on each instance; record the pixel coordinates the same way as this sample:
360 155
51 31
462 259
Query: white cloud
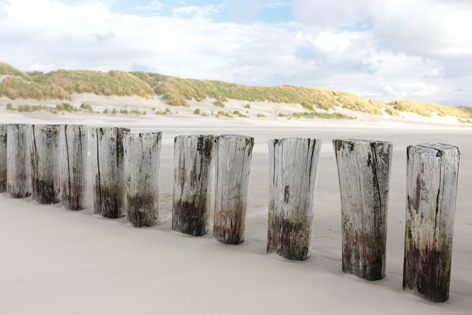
153 5
195 11
90 36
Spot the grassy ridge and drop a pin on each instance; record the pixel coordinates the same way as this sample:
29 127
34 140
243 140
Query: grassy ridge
13 88
111 83
7 69
428 109
176 91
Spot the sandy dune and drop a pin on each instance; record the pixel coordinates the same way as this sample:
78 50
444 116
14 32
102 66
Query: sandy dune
55 261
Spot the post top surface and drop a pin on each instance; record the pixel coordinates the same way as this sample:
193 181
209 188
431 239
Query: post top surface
436 147
362 141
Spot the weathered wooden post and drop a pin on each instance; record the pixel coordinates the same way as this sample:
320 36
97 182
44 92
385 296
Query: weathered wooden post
431 187
142 159
3 158
18 160
293 165
364 176
193 183
45 163
108 174
74 148
233 163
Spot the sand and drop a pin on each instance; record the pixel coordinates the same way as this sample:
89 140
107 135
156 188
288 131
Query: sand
56 261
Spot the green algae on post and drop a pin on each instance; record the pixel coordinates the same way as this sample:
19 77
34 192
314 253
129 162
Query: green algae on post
193 183
142 160
364 178
293 165
432 178
74 148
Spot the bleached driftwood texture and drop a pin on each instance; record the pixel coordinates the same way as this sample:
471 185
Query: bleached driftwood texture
233 164
74 148
142 158
364 178
3 158
18 161
293 165
193 183
108 174
45 163
432 177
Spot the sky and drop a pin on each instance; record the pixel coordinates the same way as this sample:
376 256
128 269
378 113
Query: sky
380 49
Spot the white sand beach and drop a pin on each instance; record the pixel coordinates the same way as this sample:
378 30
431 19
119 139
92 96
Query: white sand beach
56 261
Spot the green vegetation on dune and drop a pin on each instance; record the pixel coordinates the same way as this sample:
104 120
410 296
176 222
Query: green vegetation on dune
428 109
178 92
6 69
113 82
13 88
360 104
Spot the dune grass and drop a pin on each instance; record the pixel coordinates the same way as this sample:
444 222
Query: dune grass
13 88
360 104
113 82
6 69
428 109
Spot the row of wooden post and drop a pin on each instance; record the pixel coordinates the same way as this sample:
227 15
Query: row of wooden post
211 174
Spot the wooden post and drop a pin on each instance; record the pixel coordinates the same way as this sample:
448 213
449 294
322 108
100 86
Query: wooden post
431 187
108 175
364 176
18 161
193 183
142 159
233 163
74 149
45 163
292 180
3 158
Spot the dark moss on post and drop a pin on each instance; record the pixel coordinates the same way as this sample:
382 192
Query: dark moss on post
293 165
3 158
45 163
432 178
193 183
108 174
74 148
142 160
18 161
364 179
233 163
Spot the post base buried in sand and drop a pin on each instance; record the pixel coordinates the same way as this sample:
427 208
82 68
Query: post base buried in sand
364 177
142 158
74 149
233 163
193 183
292 179
18 161
432 178
108 173
3 157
